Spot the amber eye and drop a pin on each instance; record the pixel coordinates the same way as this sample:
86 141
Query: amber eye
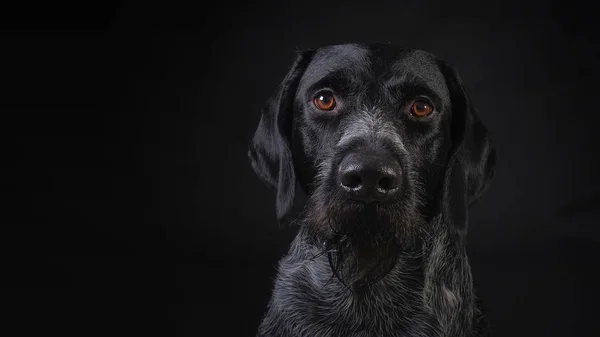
324 101
421 108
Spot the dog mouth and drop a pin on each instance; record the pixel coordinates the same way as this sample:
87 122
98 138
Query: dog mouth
362 241
337 215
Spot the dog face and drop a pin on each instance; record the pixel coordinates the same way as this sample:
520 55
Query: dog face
381 139
371 134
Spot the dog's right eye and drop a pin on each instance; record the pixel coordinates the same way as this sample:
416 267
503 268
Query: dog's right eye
324 101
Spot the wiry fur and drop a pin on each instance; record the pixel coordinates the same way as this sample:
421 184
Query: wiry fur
308 301
386 269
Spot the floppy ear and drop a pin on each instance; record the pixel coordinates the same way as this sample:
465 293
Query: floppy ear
270 148
473 157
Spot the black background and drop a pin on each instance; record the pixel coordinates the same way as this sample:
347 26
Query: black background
129 204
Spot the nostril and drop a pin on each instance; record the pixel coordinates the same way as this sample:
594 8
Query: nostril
385 183
388 181
351 180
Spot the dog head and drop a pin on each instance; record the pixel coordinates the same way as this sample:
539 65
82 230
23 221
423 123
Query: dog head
380 138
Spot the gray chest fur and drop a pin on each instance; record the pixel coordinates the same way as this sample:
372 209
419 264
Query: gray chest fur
308 302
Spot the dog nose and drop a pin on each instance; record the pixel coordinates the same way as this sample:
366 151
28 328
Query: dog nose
369 177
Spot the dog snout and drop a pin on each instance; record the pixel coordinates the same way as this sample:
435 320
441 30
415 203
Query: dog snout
369 177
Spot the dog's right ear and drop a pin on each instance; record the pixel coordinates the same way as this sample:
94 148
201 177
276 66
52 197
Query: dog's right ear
270 149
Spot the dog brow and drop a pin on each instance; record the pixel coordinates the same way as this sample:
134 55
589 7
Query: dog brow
339 80
412 85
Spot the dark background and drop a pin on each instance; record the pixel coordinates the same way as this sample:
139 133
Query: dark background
129 204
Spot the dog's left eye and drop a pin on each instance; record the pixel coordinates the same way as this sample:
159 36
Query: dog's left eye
324 101
421 108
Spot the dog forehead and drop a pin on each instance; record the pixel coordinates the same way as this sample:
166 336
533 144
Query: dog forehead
349 58
376 62
424 66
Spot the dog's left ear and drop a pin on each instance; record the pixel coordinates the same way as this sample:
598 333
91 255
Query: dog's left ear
270 149
473 157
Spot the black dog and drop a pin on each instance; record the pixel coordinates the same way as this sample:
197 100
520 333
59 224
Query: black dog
391 153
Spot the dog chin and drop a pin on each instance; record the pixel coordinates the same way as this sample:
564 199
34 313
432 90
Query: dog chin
362 241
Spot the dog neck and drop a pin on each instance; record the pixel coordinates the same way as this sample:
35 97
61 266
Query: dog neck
428 293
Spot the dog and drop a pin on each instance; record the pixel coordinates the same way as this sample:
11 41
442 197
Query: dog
390 151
